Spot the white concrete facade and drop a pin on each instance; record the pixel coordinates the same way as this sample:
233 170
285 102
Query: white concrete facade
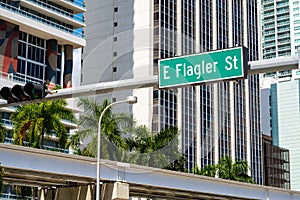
121 49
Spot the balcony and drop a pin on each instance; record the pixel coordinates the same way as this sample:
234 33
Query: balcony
7 124
268 8
282 11
269 27
283 17
269 32
282 4
68 124
42 27
283 30
285 35
269 20
56 149
5 196
271 44
283 23
52 11
269 38
284 48
41 20
266 2
268 14
50 148
284 42
76 5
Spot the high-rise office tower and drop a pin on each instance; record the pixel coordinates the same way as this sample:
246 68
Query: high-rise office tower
280 90
276 164
126 38
276 23
281 104
280 27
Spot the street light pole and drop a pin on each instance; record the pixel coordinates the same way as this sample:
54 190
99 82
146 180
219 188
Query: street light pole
130 100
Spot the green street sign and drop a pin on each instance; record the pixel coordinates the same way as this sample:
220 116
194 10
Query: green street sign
204 67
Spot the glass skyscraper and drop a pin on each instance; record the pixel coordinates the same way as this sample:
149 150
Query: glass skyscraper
280 90
125 39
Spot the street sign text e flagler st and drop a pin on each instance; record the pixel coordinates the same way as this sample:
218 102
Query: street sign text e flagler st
204 67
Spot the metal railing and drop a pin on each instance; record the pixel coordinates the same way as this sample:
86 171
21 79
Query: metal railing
18 78
50 148
77 3
7 122
6 196
41 20
59 11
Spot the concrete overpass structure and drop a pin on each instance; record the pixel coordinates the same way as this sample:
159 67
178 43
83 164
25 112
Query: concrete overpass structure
46 169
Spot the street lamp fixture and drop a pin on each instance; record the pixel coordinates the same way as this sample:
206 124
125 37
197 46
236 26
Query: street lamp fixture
129 100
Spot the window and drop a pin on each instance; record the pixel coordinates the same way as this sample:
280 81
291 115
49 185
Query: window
116 9
114 99
115 24
115 54
114 69
115 38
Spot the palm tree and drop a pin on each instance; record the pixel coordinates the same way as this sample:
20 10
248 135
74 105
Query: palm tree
2 131
159 150
124 141
88 125
208 170
1 179
237 171
33 121
177 165
227 169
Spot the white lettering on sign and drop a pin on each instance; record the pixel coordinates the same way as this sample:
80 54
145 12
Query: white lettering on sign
229 61
166 72
178 69
182 69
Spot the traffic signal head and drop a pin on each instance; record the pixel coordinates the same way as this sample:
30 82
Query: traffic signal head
35 91
6 94
20 93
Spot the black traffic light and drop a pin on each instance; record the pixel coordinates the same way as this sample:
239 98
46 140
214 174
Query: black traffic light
19 93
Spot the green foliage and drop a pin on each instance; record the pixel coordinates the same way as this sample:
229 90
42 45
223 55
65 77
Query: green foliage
227 169
122 140
24 192
33 121
209 170
177 165
237 171
1 178
2 132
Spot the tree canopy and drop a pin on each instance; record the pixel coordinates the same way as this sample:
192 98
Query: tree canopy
2 131
1 178
227 169
122 140
33 121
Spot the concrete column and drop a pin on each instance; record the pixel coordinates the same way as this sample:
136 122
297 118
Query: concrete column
215 86
51 61
116 191
85 192
68 66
